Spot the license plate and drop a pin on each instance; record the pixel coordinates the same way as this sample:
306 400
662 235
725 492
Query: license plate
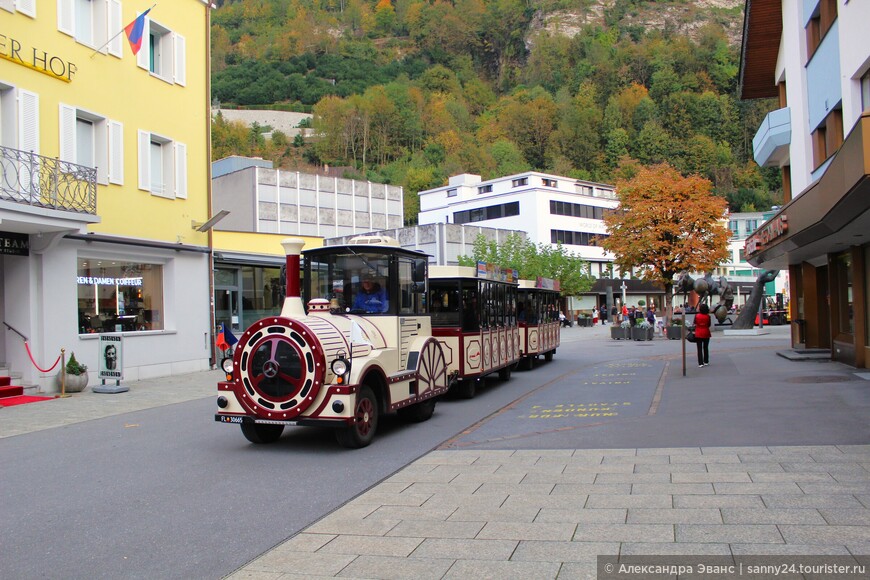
226 419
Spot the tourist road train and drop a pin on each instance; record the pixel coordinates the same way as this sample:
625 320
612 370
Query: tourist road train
370 328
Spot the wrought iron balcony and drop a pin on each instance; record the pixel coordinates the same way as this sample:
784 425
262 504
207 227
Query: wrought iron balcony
47 182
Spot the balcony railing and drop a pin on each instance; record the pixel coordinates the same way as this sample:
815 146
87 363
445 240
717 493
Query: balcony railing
46 182
771 142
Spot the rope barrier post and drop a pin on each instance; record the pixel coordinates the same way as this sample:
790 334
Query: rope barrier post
63 374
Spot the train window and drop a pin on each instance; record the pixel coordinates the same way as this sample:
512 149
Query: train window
408 297
353 282
470 307
444 305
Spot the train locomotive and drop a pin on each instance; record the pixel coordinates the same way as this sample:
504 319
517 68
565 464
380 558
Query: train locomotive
363 348
378 335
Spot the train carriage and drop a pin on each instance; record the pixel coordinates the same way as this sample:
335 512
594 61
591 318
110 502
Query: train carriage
475 319
363 348
538 318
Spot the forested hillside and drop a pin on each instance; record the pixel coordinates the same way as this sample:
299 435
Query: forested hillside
413 91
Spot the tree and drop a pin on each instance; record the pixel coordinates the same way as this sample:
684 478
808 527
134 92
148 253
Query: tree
531 261
666 224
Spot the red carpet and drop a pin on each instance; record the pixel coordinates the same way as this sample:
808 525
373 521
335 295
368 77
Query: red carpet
21 400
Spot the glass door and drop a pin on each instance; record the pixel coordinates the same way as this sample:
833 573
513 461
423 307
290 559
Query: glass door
226 299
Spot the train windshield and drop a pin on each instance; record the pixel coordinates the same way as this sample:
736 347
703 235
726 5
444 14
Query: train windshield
354 281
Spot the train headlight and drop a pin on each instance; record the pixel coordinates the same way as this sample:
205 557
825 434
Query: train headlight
340 366
227 366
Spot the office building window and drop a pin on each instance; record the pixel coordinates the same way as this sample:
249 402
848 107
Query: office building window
451 192
734 226
118 296
520 182
550 182
865 91
163 53
827 137
575 238
484 189
819 25
487 213
576 210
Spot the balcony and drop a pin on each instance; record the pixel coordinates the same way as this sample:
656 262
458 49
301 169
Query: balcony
771 142
47 183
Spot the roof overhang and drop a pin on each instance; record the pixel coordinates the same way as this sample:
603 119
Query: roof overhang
762 31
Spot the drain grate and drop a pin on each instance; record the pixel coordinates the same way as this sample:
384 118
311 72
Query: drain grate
820 379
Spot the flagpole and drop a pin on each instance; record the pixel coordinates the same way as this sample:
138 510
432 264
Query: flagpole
120 32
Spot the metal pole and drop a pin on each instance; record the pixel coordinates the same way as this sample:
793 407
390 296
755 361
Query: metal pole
62 373
683 332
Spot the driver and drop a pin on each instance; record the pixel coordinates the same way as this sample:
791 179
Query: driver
371 297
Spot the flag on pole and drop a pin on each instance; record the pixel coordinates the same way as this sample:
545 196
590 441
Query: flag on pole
135 31
225 338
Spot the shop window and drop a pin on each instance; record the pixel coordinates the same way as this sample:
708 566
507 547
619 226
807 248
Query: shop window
844 289
118 296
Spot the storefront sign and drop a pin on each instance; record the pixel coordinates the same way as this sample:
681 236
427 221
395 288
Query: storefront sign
111 356
770 231
108 281
12 244
38 60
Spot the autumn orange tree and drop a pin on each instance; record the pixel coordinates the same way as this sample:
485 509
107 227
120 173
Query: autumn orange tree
666 224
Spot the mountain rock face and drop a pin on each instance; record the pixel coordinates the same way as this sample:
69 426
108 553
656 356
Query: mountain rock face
681 16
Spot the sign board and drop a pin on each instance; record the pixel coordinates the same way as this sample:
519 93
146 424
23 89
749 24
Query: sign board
13 244
111 357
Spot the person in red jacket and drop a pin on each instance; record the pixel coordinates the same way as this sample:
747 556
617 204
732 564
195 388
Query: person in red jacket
702 334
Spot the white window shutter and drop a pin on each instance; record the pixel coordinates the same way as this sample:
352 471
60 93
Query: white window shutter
8 5
143 57
145 160
116 45
28 121
67 125
66 16
180 60
180 170
116 152
101 150
27 7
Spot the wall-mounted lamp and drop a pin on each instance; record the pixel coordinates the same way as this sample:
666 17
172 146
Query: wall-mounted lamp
204 227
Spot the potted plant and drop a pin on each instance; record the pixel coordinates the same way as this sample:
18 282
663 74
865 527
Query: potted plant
74 374
642 330
674 329
621 332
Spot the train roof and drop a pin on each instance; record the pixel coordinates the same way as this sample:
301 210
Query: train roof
381 244
468 272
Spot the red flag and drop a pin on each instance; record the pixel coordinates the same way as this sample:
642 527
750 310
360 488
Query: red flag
135 32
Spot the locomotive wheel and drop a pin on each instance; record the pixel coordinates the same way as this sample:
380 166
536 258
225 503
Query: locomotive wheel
466 389
419 412
505 373
365 421
261 434
548 356
528 363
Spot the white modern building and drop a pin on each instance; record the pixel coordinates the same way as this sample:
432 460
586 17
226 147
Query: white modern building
552 209
740 273
814 57
265 200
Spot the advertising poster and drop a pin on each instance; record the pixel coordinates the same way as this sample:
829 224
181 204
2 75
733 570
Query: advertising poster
111 357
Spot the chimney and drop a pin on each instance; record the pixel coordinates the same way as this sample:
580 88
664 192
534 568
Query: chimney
293 301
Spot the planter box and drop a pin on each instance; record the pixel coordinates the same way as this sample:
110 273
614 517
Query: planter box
619 333
674 332
638 333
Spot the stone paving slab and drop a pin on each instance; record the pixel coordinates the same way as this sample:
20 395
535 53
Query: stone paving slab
725 501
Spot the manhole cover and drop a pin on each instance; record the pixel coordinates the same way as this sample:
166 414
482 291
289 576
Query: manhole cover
820 379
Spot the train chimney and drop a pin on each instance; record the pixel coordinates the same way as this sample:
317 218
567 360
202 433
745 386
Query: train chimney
293 306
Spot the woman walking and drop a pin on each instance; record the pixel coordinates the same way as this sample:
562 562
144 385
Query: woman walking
702 334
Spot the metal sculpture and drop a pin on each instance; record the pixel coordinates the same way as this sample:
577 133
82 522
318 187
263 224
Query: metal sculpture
746 318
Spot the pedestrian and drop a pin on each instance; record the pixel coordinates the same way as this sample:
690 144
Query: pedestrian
604 313
651 316
624 313
614 313
702 335
594 316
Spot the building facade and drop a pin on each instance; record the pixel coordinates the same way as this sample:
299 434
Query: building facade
813 56
104 175
550 208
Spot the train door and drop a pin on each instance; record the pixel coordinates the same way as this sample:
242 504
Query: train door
411 292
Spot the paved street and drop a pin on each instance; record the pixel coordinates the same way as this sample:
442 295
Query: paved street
613 452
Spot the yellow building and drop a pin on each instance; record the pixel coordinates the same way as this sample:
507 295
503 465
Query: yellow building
104 182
